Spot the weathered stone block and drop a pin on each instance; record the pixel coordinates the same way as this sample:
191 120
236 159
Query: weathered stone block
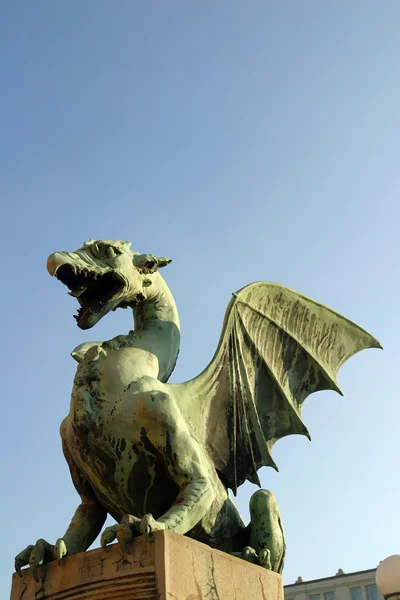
172 567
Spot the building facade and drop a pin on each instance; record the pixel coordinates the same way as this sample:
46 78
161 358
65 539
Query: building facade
343 586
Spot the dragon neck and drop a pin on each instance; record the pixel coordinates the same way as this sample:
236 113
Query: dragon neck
157 324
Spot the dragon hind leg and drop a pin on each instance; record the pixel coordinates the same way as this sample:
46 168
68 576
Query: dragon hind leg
267 538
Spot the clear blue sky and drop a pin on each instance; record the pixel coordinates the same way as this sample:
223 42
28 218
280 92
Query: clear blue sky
246 140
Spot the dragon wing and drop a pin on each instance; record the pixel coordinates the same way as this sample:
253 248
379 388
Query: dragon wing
276 347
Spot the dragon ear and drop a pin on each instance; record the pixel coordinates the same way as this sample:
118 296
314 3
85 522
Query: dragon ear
148 263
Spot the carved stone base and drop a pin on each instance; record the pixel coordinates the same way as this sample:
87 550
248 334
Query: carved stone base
172 567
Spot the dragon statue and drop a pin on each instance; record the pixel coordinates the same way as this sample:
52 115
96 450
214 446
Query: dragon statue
159 456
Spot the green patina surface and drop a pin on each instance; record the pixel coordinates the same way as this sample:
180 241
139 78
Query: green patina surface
163 456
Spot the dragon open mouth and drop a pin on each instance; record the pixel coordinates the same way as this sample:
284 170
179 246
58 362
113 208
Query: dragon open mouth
94 291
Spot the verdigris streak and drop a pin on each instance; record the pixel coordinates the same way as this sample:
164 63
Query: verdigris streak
162 456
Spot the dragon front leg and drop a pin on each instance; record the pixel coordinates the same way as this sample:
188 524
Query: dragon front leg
85 526
184 460
89 517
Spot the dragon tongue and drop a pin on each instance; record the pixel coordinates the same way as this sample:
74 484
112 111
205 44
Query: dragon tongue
78 291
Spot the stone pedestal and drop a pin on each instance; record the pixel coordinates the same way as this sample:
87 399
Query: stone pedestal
172 567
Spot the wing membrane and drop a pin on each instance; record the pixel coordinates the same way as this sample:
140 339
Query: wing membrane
276 348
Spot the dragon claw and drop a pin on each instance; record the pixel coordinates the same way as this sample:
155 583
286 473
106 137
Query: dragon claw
249 554
108 536
60 550
22 559
41 553
149 525
124 532
124 537
265 558
34 556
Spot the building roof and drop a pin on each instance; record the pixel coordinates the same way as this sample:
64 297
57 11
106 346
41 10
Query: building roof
298 583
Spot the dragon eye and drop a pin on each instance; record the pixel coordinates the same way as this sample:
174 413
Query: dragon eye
103 251
108 251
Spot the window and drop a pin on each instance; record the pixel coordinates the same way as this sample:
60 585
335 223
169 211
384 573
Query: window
356 593
329 596
313 597
372 592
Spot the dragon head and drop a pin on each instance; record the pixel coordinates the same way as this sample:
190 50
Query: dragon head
104 275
